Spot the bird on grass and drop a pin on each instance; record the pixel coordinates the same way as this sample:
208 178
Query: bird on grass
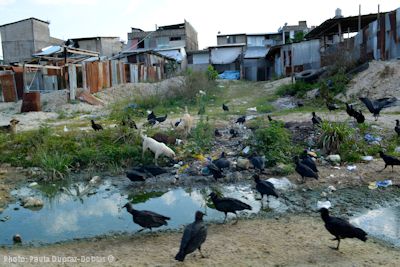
375 106
225 107
340 228
129 122
161 119
304 170
389 160
265 188
227 204
241 120
151 116
141 173
95 126
194 236
217 133
397 127
145 218
315 119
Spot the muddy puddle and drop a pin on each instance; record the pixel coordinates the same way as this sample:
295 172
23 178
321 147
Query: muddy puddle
383 223
78 211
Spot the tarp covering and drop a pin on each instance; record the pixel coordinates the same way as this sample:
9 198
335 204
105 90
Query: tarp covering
225 55
175 54
230 75
256 52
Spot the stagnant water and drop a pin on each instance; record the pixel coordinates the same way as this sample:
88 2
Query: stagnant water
381 223
66 216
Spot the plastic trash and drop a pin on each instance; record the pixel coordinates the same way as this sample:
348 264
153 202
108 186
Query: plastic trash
252 109
372 138
331 188
246 150
205 171
282 183
367 158
323 204
33 184
351 167
381 184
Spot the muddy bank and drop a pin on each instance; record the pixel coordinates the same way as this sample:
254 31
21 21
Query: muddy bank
288 241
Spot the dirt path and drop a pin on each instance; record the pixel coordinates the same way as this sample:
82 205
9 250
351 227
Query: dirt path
292 241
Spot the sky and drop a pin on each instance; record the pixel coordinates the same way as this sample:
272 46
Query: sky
89 18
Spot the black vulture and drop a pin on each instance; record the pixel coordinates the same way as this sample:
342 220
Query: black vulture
300 104
215 171
359 116
217 133
227 204
349 109
129 122
307 160
95 126
152 122
315 119
193 237
145 218
233 133
136 175
304 170
331 106
161 119
375 106
258 162
265 187
241 120
225 107
397 127
389 160
340 228
222 162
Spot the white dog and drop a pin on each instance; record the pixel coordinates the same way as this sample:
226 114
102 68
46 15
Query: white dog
157 148
187 122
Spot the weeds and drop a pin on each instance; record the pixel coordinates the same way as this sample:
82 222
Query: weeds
298 89
201 137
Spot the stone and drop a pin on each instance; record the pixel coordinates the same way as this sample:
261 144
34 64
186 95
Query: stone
334 158
243 163
31 202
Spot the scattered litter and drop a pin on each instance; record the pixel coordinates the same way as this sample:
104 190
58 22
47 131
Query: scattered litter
95 180
336 167
177 166
331 188
323 204
372 138
205 171
33 184
331 176
178 141
252 109
377 184
183 168
367 158
312 154
250 117
334 158
4 219
282 183
246 150
351 167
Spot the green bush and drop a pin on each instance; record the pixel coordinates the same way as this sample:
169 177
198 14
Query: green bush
212 74
201 138
334 134
275 143
298 89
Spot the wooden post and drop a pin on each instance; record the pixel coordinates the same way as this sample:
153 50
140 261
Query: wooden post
72 81
24 79
359 18
340 32
84 83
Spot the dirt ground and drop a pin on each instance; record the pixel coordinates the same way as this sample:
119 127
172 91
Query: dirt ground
287 241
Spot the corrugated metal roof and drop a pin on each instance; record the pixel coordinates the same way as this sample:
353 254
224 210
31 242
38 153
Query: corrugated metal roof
256 52
49 50
175 54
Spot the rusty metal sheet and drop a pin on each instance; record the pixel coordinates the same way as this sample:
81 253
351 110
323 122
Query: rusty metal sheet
7 84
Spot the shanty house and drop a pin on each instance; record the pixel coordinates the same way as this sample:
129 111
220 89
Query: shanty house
106 46
22 38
